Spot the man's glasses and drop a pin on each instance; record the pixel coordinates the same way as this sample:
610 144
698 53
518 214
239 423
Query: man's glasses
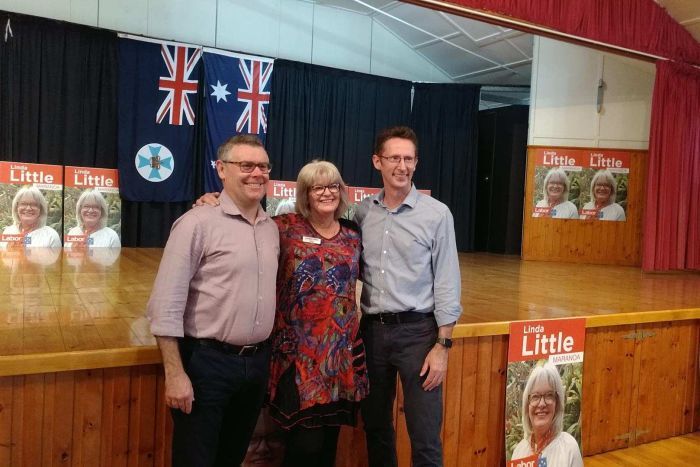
247 167
408 160
318 190
549 398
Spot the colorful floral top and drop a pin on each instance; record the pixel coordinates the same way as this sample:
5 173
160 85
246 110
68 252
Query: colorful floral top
318 371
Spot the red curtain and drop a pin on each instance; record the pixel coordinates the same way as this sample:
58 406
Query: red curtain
672 211
640 25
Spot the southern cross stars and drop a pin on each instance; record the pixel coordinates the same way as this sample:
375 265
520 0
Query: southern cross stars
220 91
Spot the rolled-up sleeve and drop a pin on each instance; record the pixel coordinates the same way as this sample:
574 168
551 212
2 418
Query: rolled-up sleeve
181 257
445 261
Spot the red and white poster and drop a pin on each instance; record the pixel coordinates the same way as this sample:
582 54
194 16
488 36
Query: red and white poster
543 393
31 204
93 208
281 197
586 184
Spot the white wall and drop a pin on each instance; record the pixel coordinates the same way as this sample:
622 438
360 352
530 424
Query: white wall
564 96
291 29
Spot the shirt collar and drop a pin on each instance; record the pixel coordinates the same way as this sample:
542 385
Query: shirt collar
229 207
410 200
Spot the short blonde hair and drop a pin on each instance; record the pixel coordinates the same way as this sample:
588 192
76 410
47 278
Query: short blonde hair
604 177
38 197
315 172
96 197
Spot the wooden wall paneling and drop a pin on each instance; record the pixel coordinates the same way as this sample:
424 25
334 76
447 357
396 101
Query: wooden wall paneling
467 414
608 370
57 434
661 400
32 420
164 426
115 417
696 380
689 375
452 395
142 415
617 243
482 398
6 391
352 447
497 388
87 417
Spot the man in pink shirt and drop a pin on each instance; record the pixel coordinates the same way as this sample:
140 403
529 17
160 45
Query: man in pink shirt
212 310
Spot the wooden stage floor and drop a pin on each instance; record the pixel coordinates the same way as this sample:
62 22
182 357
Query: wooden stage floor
62 301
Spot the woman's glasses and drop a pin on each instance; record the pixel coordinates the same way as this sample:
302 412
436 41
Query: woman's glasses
549 398
318 190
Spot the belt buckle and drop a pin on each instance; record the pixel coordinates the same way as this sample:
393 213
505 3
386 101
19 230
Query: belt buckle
248 350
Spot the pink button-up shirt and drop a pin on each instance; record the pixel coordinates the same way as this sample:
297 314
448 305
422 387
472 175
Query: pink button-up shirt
217 276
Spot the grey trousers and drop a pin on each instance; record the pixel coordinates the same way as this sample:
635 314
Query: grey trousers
400 348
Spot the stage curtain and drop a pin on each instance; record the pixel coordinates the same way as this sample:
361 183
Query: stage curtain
331 114
672 215
58 105
445 118
640 25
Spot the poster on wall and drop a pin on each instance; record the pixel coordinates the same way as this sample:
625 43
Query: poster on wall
587 184
31 204
281 196
544 392
357 194
93 210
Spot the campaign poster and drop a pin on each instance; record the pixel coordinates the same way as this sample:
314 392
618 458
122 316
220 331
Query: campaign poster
31 205
93 209
356 194
281 196
544 392
586 184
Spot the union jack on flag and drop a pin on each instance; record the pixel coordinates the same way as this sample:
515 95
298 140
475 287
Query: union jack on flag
256 75
180 61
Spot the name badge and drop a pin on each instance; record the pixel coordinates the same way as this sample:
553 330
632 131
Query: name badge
314 240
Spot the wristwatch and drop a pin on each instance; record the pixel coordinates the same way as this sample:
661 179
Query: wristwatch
444 341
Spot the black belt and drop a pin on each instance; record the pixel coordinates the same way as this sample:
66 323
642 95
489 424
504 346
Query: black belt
225 347
399 317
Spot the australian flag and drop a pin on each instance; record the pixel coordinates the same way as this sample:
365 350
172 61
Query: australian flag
157 107
236 101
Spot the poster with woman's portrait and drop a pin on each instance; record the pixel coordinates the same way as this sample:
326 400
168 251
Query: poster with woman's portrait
93 209
543 393
281 197
587 184
31 205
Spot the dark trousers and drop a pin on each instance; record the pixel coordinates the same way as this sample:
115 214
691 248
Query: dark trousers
401 348
228 392
311 447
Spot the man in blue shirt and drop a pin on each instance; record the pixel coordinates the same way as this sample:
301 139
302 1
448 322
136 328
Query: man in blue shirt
410 303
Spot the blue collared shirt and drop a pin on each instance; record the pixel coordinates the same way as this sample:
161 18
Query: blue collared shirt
409 257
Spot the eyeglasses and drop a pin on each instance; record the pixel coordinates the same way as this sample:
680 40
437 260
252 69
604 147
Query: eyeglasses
247 166
28 205
273 440
87 207
318 190
549 398
408 160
